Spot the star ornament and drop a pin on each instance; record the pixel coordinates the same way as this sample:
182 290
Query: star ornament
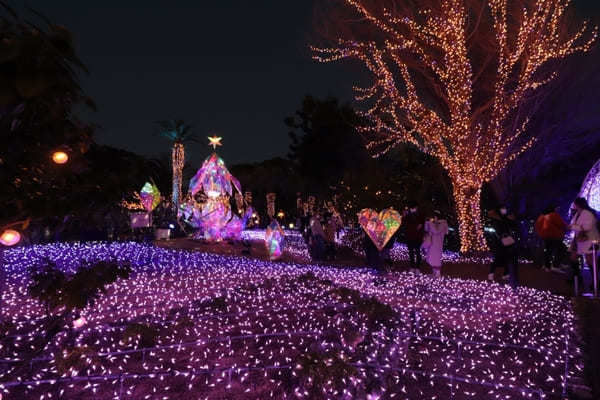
214 141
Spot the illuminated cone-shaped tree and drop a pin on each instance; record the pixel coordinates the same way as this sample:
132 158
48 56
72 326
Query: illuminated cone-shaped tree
179 133
456 78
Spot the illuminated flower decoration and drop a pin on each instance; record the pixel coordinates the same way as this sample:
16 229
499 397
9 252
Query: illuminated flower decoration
274 237
380 226
150 196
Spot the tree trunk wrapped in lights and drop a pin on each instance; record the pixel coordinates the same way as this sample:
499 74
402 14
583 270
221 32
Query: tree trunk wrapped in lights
178 159
455 79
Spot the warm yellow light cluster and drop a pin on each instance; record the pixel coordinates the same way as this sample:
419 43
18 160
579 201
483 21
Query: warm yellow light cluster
133 205
474 140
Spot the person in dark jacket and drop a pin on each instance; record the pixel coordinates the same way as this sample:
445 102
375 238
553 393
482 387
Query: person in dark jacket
504 246
414 231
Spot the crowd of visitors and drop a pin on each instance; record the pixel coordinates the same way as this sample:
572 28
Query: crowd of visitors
566 246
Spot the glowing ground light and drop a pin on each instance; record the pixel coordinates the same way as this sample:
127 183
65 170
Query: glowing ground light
60 157
10 237
231 327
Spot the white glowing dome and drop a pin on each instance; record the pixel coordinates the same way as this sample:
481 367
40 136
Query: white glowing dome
590 189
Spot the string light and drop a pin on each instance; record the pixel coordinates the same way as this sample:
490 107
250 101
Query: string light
210 326
473 141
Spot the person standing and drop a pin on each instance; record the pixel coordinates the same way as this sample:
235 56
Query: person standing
584 225
373 256
503 244
414 225
437 229
551 228
316 243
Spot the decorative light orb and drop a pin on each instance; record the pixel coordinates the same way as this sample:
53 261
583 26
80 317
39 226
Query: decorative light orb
291 225
10 237
280 214
60 157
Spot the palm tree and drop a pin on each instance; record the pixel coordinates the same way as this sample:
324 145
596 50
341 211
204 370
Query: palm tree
179 133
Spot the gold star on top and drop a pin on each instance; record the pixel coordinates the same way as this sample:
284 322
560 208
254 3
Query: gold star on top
214 141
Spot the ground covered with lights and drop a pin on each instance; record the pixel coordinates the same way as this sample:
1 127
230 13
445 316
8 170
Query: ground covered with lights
192 325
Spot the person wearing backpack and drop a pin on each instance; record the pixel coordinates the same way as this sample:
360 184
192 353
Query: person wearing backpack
551 228
584 225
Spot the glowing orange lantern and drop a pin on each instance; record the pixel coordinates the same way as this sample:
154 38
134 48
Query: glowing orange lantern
10 237
60 157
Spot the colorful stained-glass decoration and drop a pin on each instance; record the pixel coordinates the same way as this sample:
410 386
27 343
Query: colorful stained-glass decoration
150 196
274 237
212 178
214 218
380 226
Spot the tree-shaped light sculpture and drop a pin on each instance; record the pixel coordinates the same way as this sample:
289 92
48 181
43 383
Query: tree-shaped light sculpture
216 182
455 78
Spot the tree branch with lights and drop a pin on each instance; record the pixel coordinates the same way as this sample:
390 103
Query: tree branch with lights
455 78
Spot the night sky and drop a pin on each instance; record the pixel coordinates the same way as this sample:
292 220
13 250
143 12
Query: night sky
231 67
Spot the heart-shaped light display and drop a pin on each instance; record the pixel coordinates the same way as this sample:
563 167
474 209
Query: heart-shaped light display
380 226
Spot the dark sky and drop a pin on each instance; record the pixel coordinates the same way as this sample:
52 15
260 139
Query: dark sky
231 67
235 68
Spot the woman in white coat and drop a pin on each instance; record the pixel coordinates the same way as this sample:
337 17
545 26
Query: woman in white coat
584 225
436 229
